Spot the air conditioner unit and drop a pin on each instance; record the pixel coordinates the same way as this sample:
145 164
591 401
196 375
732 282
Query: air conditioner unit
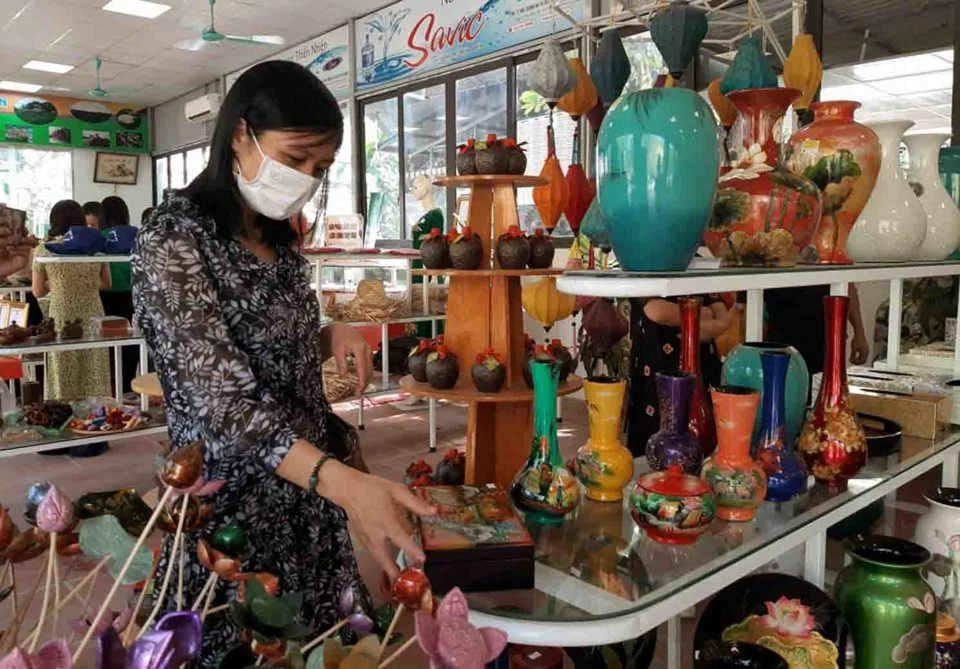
203 108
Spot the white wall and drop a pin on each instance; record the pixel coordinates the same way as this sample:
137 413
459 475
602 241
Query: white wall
137 197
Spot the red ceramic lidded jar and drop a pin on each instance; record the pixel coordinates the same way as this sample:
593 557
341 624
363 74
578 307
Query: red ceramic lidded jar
672 507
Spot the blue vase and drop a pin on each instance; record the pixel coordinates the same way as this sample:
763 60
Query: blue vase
742 368
786 475
657 170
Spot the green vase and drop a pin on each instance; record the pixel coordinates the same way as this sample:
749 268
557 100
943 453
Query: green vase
889 607
545 489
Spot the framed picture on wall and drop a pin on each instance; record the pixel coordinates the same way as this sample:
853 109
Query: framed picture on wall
116 168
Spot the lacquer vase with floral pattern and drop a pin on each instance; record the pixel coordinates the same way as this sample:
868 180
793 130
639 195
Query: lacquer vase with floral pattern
842 157
890 609
786 475
701 412
832 441
764 214
604 464
673 444
738 482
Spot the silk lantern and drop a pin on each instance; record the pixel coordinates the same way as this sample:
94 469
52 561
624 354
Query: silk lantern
678 31
803 70
583 97
545 303
551 74
721 104
551 199
749 69
610 67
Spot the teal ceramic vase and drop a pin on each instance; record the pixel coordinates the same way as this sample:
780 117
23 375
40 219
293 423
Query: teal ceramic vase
657 169
742 368
889 607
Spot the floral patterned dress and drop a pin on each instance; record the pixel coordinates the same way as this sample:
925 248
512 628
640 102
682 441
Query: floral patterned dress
236 343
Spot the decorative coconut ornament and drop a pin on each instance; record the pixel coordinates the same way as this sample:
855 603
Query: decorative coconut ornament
583 97
545 303
803 70
678 31
610 67
749 69
721 104
551 74
551 199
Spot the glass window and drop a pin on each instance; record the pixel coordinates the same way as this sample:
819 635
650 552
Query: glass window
161 165
532 120
195 163
382 169
425 148
34 180
482 105
340 198
646 61
178 176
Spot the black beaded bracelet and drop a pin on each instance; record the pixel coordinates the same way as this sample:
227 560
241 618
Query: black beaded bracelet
314 480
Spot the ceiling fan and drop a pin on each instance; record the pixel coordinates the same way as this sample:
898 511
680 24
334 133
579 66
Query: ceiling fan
211 36
98 91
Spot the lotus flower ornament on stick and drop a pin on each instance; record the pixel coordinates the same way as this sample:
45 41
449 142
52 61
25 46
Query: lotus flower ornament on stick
449 640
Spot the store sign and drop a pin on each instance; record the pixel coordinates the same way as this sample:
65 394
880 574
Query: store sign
326 56
416 36
41 120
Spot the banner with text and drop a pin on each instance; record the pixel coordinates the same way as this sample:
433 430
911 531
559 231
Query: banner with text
42 120
415 36
326 56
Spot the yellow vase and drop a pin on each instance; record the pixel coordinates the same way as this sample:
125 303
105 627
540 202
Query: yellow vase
604 464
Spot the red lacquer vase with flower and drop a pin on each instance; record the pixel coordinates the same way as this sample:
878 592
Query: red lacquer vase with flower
832 442
701 410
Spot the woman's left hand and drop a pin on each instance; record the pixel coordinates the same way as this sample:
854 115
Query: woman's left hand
343 341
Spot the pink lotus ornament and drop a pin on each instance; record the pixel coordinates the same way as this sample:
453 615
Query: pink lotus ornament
451 642
52 655
55 512
789 617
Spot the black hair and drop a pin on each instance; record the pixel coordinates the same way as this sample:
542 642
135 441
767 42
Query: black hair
145 215
64 215
275 95
115 212
96 209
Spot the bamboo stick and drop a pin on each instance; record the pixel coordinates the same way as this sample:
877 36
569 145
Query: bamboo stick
398 652
333 630
47 588
171 561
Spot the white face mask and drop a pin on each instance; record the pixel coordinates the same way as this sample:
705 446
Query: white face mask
277 191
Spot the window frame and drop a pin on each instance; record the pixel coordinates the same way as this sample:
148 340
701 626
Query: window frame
204 146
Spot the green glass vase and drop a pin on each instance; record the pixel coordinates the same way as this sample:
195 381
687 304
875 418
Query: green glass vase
889 607
545 489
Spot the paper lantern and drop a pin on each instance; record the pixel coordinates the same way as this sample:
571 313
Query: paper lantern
721 104
610 67
595 116
551 199
583 97
545 303
749 69
678 31
580 193
803 70
551 74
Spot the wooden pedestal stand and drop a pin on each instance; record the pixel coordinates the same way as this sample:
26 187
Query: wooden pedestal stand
483 309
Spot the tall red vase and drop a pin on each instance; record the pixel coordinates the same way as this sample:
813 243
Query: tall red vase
832 442
701 410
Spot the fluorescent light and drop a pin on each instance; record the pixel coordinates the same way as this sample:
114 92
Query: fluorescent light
858 92
141 8
44 66
895 67
19 86
918 83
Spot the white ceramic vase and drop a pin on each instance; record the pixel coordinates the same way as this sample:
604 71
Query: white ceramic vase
943 217
938 531
892 226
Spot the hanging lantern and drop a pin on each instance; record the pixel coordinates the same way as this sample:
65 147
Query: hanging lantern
580 192
610 67
604 325
726 112
551 199
545 303
595 116
583 97
664 81
678 31
749 69
803 70
551 74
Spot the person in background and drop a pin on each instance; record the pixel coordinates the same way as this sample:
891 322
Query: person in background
655 337
93 215
145 215
117 299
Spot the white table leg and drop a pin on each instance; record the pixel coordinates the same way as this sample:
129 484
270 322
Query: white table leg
840 289
949 472
815 559
118 376
894 322
559 410
360 425
755 315
432 421
425 294
144 366
674 644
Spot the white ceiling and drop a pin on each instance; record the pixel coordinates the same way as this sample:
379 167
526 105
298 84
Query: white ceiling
139 58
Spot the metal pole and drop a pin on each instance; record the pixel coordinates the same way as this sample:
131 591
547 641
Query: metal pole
894 315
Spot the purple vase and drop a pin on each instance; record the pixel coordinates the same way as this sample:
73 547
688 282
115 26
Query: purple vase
674 443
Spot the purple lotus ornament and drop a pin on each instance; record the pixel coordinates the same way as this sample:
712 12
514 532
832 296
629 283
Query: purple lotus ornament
154 650
674 444
52 655
449 640
351 607
173 642
55 511
118 620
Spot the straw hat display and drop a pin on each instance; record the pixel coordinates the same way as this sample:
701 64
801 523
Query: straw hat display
369 304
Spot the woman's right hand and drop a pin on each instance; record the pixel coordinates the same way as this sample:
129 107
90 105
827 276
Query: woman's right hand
378 512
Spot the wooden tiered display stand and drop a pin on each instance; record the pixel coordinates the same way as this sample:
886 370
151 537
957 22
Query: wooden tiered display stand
484 310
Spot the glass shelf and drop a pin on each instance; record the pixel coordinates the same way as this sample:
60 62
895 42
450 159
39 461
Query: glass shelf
600 579
69 439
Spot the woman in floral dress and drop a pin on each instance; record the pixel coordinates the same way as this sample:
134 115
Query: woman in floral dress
225 305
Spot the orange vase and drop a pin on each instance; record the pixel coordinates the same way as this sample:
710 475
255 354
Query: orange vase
842 157
737 482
